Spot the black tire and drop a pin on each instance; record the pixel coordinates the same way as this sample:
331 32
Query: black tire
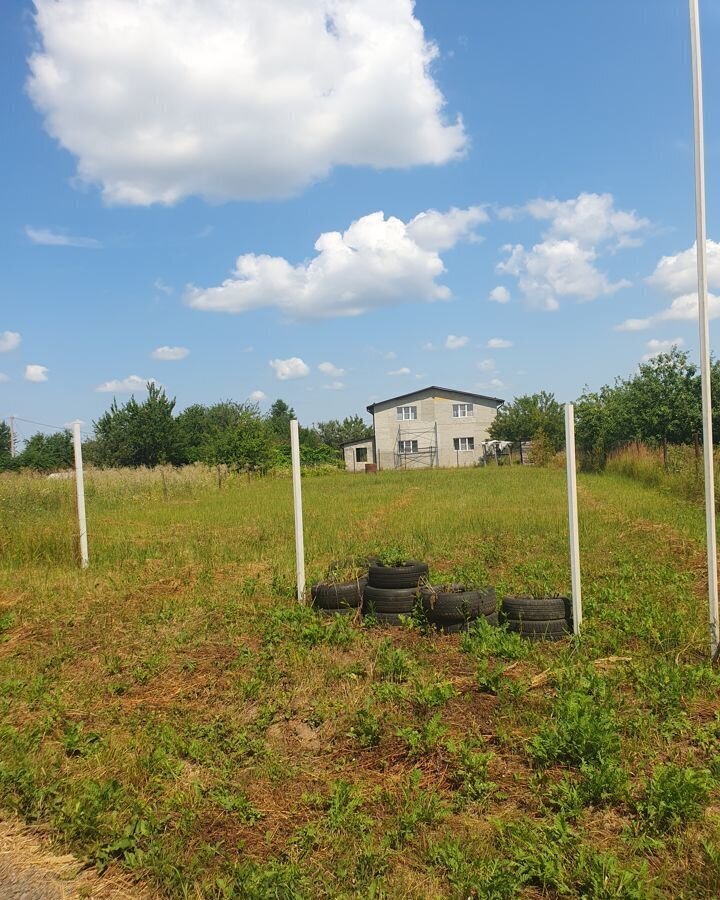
380 600
457 606
536 609
492 619
533 627
453 628
406 576
338 596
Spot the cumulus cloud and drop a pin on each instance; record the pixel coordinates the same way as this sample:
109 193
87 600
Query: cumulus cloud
327 368
36 373
499 344
160 100
160 285
486 365
257 396
9 340
499 294
129 385
403 371
170 353
656 347
334 386
563 264
433 230
496 382
676 276
376 262
46 237
455 342
286 369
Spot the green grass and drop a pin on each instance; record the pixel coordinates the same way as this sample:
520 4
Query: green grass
174 712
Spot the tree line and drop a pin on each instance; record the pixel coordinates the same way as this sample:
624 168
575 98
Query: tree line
150 433
659 404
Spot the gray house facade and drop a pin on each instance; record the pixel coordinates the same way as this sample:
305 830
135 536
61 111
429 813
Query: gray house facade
430 428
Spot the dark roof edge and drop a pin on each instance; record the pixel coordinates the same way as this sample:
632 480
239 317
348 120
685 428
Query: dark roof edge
435 387
358 441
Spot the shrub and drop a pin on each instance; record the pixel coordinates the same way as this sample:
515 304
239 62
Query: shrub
673 796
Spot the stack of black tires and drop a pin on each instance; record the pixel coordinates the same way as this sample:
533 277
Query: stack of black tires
392 591
451 608
538 618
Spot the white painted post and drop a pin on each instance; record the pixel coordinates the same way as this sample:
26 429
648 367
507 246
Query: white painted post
80 488
297 498
701 244
573 516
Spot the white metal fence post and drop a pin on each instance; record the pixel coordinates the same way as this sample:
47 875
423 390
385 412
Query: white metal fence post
701 244
297 498
573 516
80 488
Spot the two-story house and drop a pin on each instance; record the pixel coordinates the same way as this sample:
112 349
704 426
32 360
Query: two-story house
431 427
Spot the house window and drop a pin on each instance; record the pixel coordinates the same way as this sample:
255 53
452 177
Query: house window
405 447
462 410
361 454
406 412
467 443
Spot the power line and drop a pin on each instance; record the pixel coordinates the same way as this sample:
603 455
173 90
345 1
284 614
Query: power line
46 425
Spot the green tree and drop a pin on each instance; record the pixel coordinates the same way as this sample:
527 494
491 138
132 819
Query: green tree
139 434
528 415
335 433
5 456
244 444
46 451
278 420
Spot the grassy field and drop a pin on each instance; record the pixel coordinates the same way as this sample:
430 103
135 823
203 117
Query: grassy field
172 711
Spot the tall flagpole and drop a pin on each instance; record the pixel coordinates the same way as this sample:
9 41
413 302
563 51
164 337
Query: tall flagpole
701 243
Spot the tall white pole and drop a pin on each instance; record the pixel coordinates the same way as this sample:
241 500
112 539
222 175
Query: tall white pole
80 487
12 436
573 516
297 498
701 243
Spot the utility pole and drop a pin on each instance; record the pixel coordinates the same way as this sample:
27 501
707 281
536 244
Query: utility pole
12 436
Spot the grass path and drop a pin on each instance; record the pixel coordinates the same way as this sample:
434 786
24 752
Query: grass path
172 711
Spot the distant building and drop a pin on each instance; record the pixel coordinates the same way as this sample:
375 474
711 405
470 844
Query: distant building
429 428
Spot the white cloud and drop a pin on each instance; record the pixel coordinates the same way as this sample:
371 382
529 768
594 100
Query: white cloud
486 365
499 294
36 373
433 230
403 371
4 378
496 382
375 263
257 396
391 354
9 340
676 276
160 100
563 264
46 237
129 385
286 369
327 368
499 344
160 285
656 346
334 386
455 342
589 219
428 345
170 353
633 325
557 268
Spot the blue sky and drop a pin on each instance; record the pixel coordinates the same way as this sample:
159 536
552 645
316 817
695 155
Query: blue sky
166 156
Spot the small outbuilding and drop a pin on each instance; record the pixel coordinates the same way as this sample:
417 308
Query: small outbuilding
359 454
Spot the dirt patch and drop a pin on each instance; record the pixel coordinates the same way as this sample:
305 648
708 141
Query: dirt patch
30 870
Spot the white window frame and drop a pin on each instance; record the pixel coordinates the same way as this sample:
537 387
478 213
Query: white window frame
404 450
463 410
406 413
464 444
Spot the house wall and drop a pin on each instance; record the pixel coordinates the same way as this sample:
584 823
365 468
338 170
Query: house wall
349 454
432 409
